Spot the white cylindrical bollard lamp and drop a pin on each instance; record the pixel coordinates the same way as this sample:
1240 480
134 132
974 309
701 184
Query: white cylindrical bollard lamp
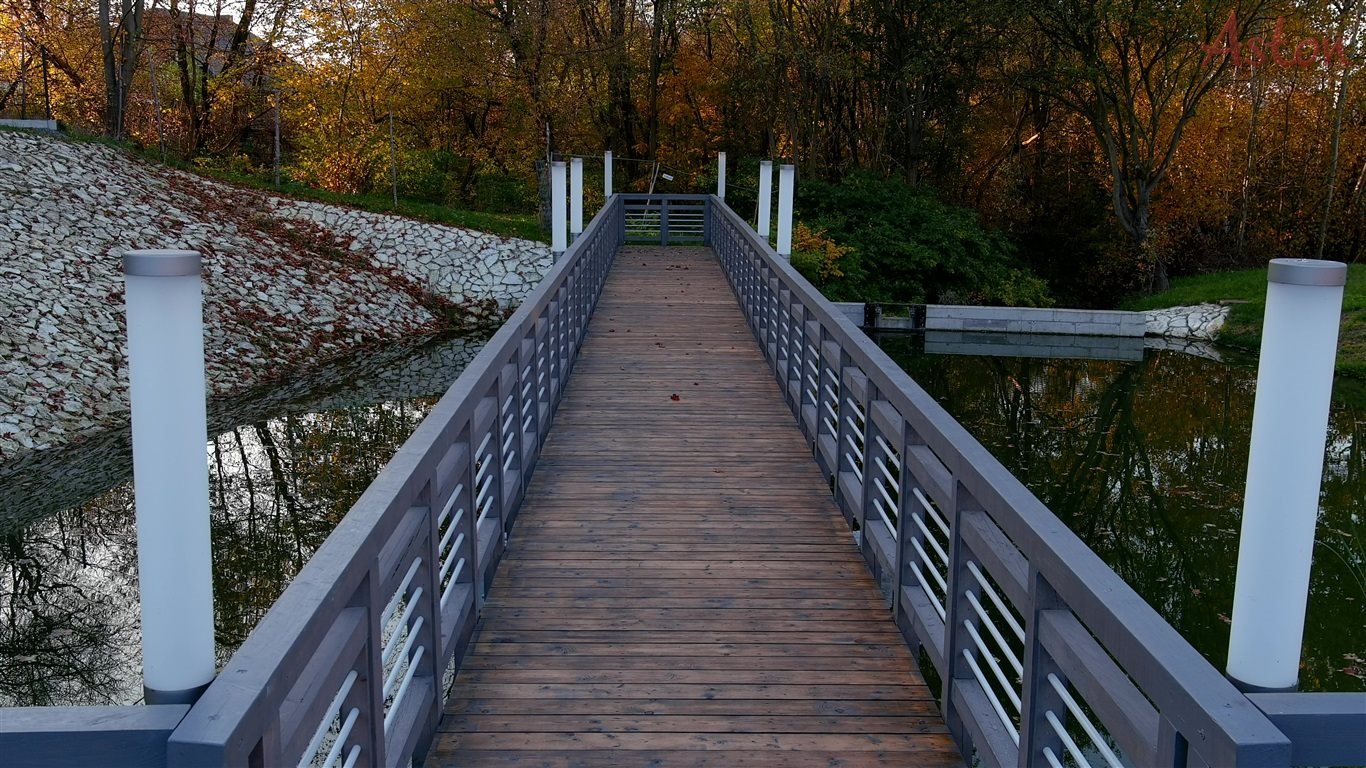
606 174
164 299
575 198
787 182
721 175
762 225
559 236
1284 470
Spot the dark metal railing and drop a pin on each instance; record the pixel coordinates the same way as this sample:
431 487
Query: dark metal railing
1046 656
347 667
667 219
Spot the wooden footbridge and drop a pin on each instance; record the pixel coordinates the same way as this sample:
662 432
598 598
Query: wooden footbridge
680 512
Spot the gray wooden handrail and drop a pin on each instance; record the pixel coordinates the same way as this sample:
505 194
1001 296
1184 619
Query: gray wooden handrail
923 494
347 666
406 569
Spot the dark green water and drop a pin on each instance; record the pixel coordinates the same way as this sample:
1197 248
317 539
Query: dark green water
285 465
1146 461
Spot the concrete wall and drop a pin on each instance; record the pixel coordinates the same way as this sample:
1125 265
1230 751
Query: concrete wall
32 125
1084 322
1044 345
953 317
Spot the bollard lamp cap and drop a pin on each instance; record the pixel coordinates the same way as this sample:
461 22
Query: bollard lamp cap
161 263
1315 272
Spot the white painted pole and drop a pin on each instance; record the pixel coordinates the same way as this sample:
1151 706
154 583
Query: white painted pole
762 224
787 182
164 300
1284 470
559 237
575 198
721 175
606 174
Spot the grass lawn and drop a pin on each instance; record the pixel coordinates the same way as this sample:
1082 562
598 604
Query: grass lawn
1244 328
523 225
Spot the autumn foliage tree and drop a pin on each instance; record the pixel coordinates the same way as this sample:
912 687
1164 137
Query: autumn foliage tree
1098 137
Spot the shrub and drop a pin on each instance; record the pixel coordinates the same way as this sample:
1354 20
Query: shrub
816 256
907 246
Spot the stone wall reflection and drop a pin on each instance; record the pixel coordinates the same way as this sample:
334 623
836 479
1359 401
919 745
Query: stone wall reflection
284 468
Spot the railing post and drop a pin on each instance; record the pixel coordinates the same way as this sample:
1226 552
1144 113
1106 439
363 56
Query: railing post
761 224
367 695
464 479
575 198
721 175
509 440
544 374
851 497
1038 695
559 237
906 532
1284 472
429 637
664 221
164 298
956 611
871 476
787 183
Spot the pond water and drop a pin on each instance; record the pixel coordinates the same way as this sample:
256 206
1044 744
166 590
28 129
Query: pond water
1146 459
285 465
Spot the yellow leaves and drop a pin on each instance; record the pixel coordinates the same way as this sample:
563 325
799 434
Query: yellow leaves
814 245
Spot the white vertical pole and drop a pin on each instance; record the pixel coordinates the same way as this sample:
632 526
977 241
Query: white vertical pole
606 174
164 301
575 198
559 238
762 225
721 175
1284 470
787 179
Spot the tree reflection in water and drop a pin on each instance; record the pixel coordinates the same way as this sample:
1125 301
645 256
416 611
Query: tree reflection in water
278 485
1146 462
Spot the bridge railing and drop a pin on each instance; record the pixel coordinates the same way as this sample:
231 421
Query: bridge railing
1047 656
666 219
347 667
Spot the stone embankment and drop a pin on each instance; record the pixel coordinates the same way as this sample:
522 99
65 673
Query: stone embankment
288 285
1200 322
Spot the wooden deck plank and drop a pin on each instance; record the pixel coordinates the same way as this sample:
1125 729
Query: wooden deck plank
679 589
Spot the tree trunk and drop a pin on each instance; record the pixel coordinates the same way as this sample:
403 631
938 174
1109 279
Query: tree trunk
111 82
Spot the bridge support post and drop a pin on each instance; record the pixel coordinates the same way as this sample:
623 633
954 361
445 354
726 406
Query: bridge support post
164 298
559 239
575 198
721 175
787 183
762 224
1284 470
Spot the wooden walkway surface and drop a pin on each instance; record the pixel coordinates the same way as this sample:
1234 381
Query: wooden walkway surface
679 589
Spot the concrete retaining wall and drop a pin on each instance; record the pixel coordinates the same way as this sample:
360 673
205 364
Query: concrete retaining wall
1082 322
32 125
1044 345
1072 322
